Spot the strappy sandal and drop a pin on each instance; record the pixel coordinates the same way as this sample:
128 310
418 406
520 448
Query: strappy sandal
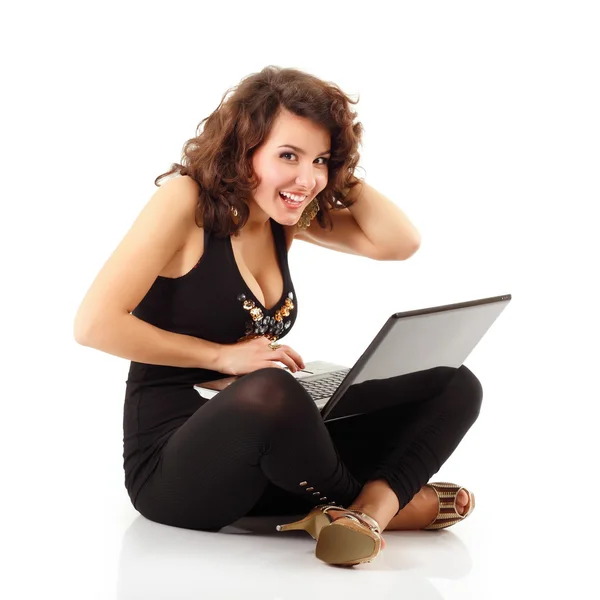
351 539
447 513
314 521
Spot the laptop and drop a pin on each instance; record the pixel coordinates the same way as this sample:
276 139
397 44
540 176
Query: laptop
436 339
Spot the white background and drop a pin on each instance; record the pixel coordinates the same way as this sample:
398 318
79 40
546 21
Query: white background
481 122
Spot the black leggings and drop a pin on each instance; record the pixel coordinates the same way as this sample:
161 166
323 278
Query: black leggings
261 447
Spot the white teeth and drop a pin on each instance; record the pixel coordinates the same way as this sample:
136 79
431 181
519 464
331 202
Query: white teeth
298 199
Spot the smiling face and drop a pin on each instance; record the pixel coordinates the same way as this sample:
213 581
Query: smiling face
301 171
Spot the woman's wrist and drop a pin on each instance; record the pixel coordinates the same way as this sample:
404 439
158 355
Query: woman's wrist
209 355
217 359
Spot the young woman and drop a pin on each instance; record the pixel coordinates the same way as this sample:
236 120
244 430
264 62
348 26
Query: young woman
199 288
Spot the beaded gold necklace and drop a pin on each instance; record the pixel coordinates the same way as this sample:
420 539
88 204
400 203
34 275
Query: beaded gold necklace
267 326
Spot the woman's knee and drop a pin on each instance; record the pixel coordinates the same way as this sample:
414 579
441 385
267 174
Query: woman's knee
269 381
471 391
270 391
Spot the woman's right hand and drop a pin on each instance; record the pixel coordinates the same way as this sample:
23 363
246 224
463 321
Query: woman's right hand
247 356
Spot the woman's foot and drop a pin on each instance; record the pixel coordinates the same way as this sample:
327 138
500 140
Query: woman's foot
423 509
419 512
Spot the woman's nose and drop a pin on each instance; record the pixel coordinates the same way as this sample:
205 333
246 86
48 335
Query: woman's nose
306 178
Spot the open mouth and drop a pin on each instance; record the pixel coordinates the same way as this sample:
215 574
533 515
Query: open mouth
289 202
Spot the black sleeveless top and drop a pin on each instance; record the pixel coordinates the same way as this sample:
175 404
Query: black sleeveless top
212 302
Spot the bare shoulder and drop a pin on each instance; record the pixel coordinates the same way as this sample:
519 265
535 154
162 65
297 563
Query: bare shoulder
180 188
173 204
184 192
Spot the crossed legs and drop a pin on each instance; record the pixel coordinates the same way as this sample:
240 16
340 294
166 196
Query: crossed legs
264 433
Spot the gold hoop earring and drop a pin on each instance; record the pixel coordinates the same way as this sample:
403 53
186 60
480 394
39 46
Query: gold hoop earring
310 212
234 215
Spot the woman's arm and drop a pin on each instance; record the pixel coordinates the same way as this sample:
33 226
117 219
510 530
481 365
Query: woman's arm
128 337
103 320
373 227
383 223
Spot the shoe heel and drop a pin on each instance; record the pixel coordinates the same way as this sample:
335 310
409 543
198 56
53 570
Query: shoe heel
312 524
295 526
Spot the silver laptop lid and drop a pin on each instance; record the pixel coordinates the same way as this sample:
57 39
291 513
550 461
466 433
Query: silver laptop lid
419 340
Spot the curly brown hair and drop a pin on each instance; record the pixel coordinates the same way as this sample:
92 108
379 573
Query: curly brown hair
219 158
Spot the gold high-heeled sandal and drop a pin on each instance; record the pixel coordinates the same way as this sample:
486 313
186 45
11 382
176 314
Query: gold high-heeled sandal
351 539
314 521
447 513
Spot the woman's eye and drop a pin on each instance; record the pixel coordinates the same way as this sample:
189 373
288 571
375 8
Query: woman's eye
323 158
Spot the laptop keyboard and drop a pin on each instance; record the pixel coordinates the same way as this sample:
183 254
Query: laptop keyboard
325 386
